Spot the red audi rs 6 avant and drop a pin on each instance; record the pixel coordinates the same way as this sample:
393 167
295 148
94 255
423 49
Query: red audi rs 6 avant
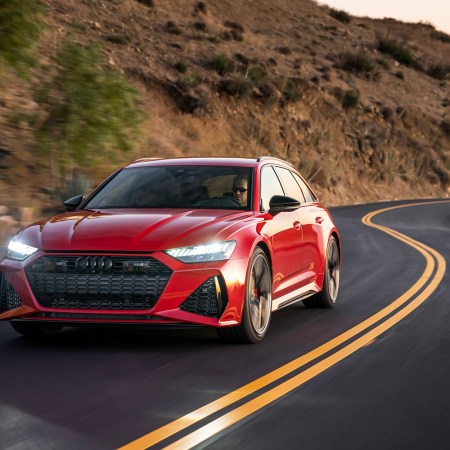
215 242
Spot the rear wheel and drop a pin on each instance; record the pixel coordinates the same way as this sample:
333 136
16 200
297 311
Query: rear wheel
327 297
257 304
36 330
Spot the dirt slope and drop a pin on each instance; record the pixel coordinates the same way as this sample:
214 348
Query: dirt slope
281 78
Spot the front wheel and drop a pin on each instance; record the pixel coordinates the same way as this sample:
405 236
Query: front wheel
36 330
257 308
327 297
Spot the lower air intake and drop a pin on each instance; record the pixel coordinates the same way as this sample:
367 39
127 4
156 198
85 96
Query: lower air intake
9 298
207 300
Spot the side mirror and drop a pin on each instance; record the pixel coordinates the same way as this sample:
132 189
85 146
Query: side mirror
282 203
73 203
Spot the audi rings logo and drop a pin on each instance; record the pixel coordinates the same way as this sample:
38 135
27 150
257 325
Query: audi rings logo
94 263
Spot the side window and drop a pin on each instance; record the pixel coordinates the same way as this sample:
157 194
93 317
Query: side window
309 196
290 185
270 186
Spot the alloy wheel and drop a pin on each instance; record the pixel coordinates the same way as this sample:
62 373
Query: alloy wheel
333 273
260 294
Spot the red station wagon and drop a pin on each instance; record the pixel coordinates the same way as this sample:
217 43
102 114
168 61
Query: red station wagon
220 242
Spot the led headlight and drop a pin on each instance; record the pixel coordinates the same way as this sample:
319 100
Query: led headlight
216 251
19 251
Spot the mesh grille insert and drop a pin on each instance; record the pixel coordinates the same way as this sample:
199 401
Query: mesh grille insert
97 282
206 300
9 298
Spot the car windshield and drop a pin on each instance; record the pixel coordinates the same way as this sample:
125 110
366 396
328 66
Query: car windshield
200 187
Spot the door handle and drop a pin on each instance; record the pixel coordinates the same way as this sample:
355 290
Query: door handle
297 225
319 219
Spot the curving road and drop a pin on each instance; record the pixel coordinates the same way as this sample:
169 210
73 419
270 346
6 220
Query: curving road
383 384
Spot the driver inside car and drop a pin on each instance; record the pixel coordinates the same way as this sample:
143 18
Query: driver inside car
240 187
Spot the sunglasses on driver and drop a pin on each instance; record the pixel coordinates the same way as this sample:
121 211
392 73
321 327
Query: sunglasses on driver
239 189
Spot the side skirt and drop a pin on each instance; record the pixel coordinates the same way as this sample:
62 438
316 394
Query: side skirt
294 297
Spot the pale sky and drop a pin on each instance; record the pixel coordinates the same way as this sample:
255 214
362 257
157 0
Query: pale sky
435 11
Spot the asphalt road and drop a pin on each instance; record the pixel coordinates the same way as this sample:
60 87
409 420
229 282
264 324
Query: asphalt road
103 389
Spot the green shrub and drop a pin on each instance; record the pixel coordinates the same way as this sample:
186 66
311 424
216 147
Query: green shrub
20 27
119 39
350 99
284 50
148 3
340 15
200 7
89 110
226 36
384 62
237 36
200 26
398 51
189 80
356 63
222 64
257 74
234 26
172 27
181 66
238 87
242 59
290 91
213 38
268 93
387 113
438 71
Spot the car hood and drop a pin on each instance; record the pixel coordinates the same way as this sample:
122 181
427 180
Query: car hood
129 230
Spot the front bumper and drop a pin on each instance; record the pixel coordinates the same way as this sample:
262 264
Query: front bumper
186 296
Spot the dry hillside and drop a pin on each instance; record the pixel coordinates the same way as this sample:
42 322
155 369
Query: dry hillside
282 78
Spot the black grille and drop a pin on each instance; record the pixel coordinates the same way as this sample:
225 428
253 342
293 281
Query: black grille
97 282
9 298
206 300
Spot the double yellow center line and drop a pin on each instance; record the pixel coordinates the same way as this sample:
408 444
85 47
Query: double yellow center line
428 281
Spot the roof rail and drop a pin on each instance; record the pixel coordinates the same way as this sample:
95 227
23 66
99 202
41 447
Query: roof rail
261 158
145 159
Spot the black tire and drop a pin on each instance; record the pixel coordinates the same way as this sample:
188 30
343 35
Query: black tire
257 308
327 297
36 330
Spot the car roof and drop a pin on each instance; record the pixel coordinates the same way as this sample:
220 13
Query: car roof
239 162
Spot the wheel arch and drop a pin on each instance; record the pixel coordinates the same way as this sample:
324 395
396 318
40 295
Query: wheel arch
263 246
335 234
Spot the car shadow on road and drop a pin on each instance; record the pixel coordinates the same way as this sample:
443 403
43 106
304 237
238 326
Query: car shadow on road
294 323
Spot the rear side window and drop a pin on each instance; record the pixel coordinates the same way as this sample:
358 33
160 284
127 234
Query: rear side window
290 185
270 186
309 195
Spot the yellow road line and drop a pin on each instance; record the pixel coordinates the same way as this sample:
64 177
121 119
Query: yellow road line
282 389
275 393
215 406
